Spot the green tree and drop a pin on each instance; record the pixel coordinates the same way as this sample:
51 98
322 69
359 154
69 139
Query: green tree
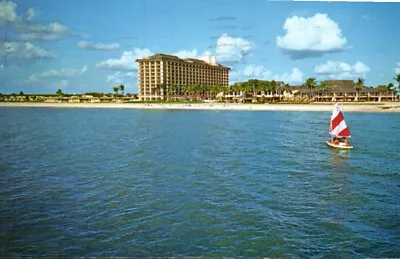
271 86
390 86
21 93
250 88
173 92
381 88
60 92
287 88
310 83
323 84
115 89
122 88
397 78
359 85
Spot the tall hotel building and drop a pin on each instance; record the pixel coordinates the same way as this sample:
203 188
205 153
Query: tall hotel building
158 72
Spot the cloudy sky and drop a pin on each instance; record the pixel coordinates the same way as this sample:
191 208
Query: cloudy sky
91 45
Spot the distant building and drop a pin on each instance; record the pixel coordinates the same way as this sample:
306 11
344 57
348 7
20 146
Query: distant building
344 90
158 72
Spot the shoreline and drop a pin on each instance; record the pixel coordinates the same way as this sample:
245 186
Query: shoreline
318 107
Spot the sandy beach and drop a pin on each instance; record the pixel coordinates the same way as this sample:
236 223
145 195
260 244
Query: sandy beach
317 107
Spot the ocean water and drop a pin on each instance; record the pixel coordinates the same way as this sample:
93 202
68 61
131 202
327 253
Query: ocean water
143 183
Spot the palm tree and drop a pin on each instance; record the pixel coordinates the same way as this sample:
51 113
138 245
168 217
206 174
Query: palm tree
116 89
158 90
122 88
190 90
310 83
273 87
397 78
322 87
390 87
322 84
359 86
60 92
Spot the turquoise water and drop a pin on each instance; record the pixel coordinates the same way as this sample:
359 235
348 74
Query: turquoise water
142 183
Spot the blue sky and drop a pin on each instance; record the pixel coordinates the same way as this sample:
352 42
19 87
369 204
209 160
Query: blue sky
81 46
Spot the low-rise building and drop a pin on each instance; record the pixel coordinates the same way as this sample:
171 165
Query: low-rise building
344 90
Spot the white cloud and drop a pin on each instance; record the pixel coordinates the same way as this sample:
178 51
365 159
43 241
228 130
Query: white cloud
296 76
207 53
54 73
125 78
121 77
186 53
263 73
260 72
341 70
232 50
18 52
53 31
234 76
127 61
31 14
397 69
193 54
360 68
310 37
29 29
98 46
9 16
8 13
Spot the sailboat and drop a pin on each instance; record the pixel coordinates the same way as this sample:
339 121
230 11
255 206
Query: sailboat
338 130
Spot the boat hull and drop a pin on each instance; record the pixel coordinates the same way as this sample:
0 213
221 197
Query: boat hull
338 146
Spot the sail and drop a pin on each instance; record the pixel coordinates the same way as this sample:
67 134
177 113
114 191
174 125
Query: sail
338 127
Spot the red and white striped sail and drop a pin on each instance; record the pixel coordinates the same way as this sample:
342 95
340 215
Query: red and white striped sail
338 127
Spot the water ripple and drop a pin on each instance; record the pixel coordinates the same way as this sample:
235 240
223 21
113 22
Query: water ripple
196 183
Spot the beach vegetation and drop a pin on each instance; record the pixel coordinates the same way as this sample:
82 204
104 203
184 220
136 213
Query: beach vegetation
192 92
252 90
115 89
255 87
60 92
95 94
322 84
122 88
287 88
272 86
381 88
359 85
310 83
390 87
397 79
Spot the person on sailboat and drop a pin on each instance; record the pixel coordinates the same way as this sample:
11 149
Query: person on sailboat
336 141
338 129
